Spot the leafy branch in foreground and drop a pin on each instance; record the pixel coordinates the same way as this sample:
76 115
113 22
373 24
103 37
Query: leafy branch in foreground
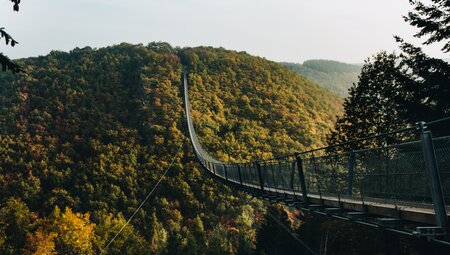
16 5
5 62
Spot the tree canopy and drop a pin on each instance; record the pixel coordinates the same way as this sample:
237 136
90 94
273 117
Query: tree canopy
432 19
85 134
371 108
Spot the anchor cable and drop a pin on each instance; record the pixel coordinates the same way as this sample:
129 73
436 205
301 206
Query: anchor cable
143 202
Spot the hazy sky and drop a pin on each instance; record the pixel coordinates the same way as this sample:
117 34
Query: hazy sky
280 30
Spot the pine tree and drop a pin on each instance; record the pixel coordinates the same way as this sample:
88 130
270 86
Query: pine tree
370 108
433 21
159 235
15 221
396 90
425 84
425 81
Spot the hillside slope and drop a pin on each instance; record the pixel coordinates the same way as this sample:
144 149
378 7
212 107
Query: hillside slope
333 75
86 134
248 108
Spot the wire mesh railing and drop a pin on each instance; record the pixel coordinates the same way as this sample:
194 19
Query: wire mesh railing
442 149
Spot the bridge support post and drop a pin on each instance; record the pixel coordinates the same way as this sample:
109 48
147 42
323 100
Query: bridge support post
351 172
433 173
302 178
261 181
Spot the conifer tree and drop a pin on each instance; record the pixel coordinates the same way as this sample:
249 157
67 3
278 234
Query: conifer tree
433 21
159 235
425 84
396 90
370 108
425 81
15 221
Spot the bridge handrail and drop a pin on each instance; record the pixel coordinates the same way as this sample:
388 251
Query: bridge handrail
416 127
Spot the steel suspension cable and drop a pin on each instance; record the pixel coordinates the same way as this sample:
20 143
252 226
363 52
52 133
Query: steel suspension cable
438 121
143 202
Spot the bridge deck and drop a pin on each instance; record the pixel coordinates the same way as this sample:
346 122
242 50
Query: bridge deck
414 212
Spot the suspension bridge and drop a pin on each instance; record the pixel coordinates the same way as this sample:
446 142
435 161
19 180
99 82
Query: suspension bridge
401 187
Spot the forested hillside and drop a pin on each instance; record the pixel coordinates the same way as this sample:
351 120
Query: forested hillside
333 75
86 134
249 108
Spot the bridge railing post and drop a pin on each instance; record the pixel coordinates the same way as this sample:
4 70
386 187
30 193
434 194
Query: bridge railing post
225 170
212 168
301 175
292 175
351 172
240 174
261 181
429 155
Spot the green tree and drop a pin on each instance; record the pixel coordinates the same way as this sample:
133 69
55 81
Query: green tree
128 243
425 81
432 19
247 234
395 90
175 243
424 84
219 242
161 47
15 223
159 236
370 108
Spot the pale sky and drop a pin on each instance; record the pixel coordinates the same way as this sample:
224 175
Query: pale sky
279 30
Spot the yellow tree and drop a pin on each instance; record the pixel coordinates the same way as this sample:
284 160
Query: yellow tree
128 242
40 243
75 232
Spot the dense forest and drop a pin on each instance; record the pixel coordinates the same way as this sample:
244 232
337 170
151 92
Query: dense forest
86 134
248 108
333 75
